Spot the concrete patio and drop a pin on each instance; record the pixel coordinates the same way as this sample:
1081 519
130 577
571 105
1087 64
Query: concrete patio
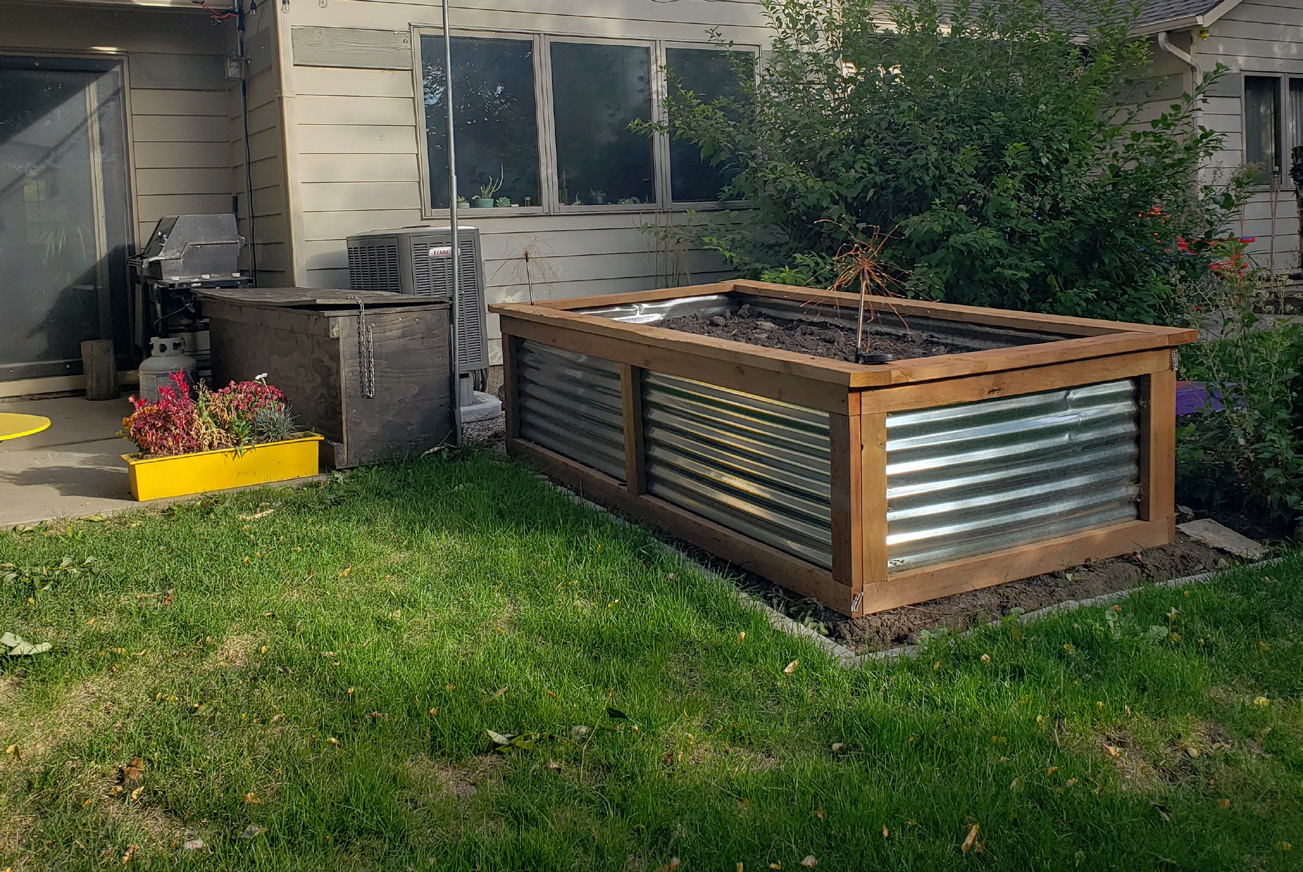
73 468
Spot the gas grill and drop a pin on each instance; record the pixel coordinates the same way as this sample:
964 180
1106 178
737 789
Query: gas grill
185 252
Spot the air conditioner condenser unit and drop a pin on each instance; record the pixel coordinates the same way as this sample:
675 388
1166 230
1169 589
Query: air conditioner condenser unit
417 260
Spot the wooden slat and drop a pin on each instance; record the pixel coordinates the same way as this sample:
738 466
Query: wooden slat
1158 448
873 465
357 47
1019 381
635 459
974 573
847 500
571 303
689 362
1091 338
747 554
725 352
1061 324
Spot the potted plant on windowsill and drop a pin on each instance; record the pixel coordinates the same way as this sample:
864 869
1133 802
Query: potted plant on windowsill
487 191
240 435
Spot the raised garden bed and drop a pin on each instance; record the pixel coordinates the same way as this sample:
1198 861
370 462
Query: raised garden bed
1037 443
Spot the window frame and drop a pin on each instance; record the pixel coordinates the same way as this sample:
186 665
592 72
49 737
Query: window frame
1291 127
428 209
664 83
545 124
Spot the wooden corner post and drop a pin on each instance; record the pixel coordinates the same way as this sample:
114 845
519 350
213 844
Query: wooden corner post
847 503
635 467
1158 449
873 454
510 396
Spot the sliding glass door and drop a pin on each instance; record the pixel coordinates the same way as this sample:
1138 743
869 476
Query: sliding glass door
64 213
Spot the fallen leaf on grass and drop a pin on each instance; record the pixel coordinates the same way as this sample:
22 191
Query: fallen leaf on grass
14 752
332 740
809 862
791 667
1223 804
256 515
251 799
193 845
135 794
616 714
133 772
969 840
838 746
1112 750
498 738
252 831
819 812
131 852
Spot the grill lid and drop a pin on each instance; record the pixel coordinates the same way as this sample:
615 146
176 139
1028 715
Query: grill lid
191 248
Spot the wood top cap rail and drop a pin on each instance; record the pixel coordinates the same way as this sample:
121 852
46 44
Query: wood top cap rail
1083 338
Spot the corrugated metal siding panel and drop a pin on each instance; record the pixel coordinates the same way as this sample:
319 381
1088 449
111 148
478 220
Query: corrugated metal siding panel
979 477
756 466
570 403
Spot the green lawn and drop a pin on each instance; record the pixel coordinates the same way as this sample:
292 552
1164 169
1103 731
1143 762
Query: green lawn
309 677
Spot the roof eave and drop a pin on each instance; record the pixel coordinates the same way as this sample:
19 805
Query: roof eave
1188 22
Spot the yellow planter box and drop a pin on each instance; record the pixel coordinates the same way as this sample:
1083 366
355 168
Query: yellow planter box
180 475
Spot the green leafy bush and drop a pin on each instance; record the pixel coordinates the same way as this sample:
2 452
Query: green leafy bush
1011 157
1246 458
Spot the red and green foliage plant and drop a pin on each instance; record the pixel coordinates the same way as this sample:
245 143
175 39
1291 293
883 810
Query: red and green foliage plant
236 416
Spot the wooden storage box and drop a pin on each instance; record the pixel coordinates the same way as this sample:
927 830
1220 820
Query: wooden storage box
382 392
866 486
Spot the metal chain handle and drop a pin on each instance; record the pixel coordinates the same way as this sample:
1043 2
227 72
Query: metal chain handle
365 352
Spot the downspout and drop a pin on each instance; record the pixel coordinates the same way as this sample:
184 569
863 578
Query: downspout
244 121
1181 55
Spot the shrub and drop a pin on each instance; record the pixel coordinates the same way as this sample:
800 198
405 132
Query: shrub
236 416
1003 149
1246 458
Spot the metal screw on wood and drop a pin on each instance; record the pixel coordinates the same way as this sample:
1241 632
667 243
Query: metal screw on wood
366 355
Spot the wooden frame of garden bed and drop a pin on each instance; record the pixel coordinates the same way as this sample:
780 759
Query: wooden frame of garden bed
858 398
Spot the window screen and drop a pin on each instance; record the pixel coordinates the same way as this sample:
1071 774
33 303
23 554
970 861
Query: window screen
711 74
598 90
1262 124
495 114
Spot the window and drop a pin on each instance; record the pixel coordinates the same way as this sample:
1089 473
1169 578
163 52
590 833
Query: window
710 74
1262 124
495 114
545 122
1273 123
598 91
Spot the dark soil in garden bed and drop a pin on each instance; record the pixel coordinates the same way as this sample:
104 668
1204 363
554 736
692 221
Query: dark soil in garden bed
957 613
806 337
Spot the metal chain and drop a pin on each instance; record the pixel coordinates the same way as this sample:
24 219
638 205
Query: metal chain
365 352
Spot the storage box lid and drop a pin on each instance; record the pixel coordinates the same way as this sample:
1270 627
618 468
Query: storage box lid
314 298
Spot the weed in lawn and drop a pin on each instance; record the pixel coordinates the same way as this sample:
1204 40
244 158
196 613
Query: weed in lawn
343 658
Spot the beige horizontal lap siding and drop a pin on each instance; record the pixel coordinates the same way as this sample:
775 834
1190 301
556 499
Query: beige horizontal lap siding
358 139
1254 37
270 229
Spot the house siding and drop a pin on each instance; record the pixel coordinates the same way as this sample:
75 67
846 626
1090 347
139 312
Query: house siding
357 136
1254 37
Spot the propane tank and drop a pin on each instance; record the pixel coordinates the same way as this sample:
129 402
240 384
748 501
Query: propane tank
166 357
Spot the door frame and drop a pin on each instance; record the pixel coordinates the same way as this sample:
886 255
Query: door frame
37 375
